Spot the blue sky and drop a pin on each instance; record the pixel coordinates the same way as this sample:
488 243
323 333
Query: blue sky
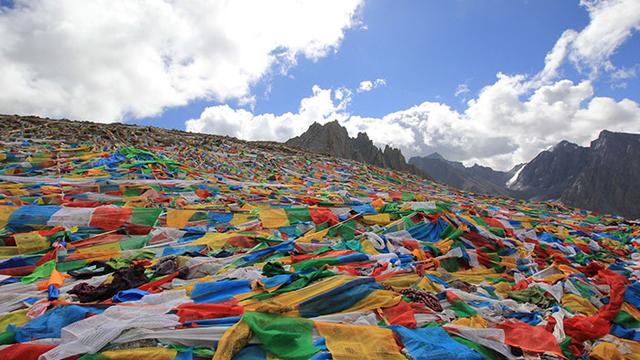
424 50
491 82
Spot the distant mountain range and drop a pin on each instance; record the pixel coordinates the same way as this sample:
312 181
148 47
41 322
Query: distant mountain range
479 179
603 177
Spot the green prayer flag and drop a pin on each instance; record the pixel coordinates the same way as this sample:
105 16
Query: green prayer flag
347 230
533 295
97 356
135 242
407 196
66 266
484 351
283 336
7 337
315 263
461 309
298 215
145 216
42 271
623 318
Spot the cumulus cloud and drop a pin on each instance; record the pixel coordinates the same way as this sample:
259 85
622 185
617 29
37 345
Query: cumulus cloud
611 23
323 106
497 128
500 129
368 85
104 60
508 122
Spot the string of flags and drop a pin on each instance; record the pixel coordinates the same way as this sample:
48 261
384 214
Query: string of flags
234 251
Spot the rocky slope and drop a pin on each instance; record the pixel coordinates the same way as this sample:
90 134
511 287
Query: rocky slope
602 177
480 179
551 172
114 134
333 139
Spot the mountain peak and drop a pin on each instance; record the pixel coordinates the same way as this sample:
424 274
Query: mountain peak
435 156
565 145
600 177
333 139
363 136
332 124
614 141
605 135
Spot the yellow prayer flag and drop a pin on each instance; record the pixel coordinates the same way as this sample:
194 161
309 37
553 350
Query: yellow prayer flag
367 247
213 240
429 286
318 235
376 300
17 318
401 281
605 351
361 342
273 218
232 341
177 218
379 219
104 248
578 304
240 218
30 242
5 214
472 321
156 353
8 251
444 245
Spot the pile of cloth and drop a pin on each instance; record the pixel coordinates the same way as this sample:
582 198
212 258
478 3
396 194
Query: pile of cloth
236 251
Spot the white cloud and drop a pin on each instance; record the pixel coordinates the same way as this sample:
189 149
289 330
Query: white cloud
612 22
510 121
498 128
620 76
513 119
104 60
461 90
625 73
320 107
554 59
365 86
368 85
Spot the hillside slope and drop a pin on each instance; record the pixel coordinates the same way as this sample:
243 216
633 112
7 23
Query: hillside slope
136 242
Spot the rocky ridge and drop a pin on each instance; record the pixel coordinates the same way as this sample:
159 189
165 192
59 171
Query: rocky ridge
333 139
